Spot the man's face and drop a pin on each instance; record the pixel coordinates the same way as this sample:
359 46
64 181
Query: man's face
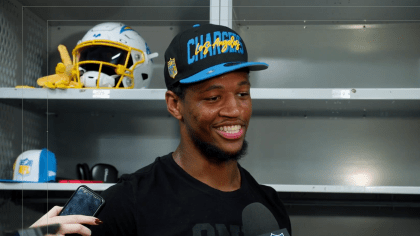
216 114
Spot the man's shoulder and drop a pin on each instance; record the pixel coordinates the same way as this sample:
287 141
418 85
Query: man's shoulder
266 190
250 179
138 181
145 171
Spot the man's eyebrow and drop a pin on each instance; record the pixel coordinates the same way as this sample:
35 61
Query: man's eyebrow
215 86
245 82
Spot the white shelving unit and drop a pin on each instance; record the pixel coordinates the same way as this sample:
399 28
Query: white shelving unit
257 93
271 98
282 99
51 186
397 101
340 102
277 187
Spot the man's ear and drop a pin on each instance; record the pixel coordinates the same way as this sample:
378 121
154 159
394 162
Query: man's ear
173 104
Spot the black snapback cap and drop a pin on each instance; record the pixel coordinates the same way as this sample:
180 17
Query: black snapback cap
203 52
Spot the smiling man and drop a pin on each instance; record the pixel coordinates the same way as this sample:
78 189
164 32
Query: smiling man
213 119
200 188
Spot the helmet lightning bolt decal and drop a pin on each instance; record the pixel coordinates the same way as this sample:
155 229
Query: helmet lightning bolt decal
125 28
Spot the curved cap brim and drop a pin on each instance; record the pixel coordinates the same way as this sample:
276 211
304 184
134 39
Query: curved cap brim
222 69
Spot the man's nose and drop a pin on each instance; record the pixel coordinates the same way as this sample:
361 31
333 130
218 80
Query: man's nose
231 107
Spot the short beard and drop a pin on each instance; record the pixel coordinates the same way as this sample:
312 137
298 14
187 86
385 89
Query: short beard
214 154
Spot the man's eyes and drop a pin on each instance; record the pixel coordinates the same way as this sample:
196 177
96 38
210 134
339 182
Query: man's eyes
212 98
215 98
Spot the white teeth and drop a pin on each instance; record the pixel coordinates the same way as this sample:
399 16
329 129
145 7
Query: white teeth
230 129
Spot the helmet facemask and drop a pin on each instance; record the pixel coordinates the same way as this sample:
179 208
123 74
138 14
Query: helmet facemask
106 64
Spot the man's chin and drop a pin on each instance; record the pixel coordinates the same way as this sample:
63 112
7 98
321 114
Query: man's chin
219 156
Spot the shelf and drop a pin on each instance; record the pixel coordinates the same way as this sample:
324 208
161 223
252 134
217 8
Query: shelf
83 94
345 189
257 93
381 102
51 186
278 187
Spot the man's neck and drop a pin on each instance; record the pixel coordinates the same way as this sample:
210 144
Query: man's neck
224 176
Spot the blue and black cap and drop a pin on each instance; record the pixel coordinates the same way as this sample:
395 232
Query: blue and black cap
203 52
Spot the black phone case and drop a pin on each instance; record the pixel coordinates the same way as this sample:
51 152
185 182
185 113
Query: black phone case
95 204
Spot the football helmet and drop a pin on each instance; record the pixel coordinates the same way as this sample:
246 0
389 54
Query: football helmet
112 55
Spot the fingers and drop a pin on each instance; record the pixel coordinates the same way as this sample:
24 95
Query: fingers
44 219
52 218
77 219
54 211
72 219
74 229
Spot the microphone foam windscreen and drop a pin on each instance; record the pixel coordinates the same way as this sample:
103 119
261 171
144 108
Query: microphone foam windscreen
258 220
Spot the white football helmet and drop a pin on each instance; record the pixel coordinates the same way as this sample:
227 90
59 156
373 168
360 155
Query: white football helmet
112 55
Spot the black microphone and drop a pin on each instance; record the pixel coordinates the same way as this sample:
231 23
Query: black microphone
257 220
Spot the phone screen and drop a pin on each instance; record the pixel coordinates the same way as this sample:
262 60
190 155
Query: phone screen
83 202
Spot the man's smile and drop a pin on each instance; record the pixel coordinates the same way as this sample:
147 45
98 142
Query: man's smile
230 132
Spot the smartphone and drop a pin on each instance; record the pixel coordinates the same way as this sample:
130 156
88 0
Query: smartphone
84 201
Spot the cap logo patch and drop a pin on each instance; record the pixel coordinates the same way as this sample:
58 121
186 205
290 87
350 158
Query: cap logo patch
225 43
25 166
211 44
172 68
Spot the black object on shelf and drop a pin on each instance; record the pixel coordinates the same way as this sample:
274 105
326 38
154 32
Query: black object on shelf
104 172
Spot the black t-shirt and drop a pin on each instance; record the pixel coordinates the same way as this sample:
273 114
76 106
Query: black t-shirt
162 199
